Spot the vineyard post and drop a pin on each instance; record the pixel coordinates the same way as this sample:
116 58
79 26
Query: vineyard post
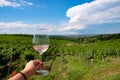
80 59
9 68
103 59
102 55
92 58
117 54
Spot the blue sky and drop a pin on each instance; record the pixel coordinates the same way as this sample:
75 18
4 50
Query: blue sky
60 17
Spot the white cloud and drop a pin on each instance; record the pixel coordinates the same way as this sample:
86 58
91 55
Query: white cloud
95 12
28 28
8 3
14 3
23 2
23 28
70 26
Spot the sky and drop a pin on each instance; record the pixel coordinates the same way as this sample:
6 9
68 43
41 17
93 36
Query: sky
59 17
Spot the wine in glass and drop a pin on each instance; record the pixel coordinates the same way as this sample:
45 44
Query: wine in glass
41 44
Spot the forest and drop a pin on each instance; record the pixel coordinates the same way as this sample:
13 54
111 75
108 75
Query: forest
69 57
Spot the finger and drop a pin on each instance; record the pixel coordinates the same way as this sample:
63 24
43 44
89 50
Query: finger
41 66
38 62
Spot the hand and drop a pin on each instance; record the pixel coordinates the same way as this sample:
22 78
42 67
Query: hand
32 67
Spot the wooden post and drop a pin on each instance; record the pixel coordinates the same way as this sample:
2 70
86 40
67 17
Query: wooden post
117 54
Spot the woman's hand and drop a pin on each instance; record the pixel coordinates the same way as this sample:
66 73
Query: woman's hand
32 67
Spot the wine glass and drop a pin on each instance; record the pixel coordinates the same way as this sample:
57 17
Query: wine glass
41 44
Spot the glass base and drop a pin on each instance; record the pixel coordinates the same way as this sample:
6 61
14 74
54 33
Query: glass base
43 72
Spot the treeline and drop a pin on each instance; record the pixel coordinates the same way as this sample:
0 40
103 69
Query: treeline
95 38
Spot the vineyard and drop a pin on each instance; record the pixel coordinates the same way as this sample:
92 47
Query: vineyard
78 57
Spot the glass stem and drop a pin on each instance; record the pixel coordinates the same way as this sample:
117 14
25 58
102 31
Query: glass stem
40 56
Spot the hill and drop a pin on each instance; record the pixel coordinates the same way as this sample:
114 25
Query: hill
69 57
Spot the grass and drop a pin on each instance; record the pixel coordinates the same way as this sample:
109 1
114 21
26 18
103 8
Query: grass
104 70
72 69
